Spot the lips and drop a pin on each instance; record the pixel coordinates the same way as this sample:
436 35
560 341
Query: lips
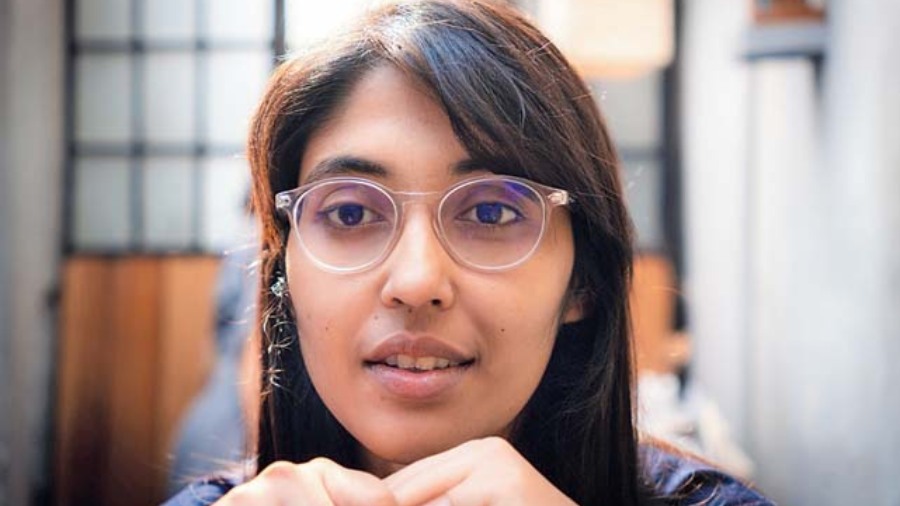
410 352
417 368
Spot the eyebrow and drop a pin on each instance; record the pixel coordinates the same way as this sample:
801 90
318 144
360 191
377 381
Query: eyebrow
348 165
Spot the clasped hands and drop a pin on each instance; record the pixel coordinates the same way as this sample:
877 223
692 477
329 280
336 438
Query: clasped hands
480 472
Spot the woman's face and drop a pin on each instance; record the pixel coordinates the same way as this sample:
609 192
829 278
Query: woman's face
360 332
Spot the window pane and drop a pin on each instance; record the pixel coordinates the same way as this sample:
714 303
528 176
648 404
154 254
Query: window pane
169 98
168 195
633 110
101 203
240 20
169 19
235 85
103 99
643 193
310 21
103 19
226 222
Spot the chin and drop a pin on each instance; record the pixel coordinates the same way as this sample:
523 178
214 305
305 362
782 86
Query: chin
405 447
398 444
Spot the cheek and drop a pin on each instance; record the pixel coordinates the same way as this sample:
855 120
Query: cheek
329 312
519 318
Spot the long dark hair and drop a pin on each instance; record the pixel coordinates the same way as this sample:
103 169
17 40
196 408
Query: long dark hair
511 97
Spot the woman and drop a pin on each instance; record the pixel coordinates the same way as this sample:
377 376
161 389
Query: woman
446 259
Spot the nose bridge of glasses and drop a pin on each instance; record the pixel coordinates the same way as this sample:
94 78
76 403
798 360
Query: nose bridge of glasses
405 199
419 217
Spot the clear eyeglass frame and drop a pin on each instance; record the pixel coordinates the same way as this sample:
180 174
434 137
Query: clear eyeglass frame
288 203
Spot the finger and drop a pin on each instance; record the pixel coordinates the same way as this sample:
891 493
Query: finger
430 478
281 483
349 487
443 500
321 482
494 478
427 464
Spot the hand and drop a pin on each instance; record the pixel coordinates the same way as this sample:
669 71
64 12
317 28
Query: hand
319 482
479 472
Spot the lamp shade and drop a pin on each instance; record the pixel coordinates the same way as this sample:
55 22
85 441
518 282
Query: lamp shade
611 38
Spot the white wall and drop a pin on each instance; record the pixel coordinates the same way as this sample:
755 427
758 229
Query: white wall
715 122
31 191
5 390
793 235
856 314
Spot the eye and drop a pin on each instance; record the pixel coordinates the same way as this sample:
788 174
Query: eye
349 215
491 213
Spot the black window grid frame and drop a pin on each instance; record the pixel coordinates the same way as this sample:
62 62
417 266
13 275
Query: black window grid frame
138 149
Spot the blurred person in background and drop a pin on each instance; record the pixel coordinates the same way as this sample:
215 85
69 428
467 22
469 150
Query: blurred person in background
675 409
212 433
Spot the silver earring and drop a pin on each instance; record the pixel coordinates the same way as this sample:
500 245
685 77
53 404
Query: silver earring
279 287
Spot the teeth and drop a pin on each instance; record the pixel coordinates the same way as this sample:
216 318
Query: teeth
419 364
425 363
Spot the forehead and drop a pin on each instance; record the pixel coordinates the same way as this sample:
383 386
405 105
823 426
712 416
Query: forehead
391 122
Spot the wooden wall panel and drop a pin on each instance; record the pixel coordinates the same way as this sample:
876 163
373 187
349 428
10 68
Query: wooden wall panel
185 359
653 295
136 344
81 426
131 381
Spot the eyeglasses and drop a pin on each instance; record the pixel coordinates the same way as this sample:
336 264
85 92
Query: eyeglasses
489 223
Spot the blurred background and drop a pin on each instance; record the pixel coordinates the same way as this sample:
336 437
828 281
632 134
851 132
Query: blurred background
760 142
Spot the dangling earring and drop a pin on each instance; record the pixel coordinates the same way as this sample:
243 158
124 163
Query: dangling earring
278 326
279 287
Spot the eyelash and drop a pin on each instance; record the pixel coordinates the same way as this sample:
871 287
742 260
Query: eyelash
505 208
328 215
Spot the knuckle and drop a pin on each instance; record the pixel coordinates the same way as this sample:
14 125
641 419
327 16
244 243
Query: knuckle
243 495
495 444
381 498
280 471
320 464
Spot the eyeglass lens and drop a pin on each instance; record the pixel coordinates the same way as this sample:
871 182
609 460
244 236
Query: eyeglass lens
487 223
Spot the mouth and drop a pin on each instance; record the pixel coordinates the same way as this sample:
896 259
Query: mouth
418 368
420 364
422 353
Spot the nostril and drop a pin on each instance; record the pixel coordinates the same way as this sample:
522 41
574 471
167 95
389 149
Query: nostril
435 302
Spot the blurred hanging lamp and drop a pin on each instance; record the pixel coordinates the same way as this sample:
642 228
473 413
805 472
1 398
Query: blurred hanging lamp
787 11
611 38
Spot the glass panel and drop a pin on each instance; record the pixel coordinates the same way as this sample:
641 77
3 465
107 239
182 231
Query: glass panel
240 20
169 19
226 222
310 21
643 193
102 217
168 194
236 82
169 108
103 98
633 110
103 19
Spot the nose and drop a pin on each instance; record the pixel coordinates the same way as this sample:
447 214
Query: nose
419 268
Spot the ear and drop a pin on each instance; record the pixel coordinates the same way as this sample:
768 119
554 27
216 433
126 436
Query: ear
576 308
